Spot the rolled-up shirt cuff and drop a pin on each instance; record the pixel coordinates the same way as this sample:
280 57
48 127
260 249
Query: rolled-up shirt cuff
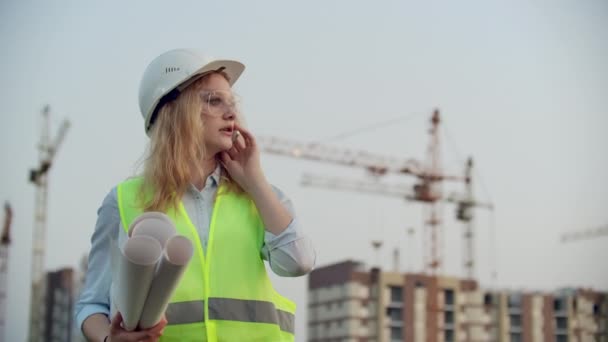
290 254
289 235
88 310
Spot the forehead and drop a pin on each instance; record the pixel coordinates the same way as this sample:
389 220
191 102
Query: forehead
214 81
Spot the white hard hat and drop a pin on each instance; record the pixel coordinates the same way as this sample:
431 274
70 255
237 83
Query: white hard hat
170 73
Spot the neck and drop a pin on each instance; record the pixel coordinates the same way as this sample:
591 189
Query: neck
209 166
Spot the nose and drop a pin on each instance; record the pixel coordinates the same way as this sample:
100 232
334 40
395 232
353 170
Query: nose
229 114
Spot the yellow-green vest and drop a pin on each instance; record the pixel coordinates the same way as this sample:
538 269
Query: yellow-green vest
225 293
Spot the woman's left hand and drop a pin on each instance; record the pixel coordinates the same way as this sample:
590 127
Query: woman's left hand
242 161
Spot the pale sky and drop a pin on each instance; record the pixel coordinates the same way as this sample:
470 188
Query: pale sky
522 87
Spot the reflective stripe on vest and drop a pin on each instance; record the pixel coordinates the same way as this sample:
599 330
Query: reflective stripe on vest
230 309
185 312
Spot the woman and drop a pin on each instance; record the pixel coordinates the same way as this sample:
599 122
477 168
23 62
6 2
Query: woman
202 170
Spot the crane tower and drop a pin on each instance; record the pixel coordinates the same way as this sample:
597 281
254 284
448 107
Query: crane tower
39 177
4 244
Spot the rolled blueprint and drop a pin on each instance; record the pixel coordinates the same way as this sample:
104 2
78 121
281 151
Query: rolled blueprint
136 267
150 214
177 254
154 224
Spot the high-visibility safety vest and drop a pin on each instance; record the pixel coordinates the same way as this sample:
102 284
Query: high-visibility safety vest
225 293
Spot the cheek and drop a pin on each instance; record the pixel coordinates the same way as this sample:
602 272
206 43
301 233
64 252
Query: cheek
209 125
206 130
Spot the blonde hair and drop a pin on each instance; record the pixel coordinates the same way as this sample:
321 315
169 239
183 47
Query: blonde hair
176 151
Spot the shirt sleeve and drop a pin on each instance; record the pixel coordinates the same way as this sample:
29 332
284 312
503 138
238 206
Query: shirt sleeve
291 253
95 294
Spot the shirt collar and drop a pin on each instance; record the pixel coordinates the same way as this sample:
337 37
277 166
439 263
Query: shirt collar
212 181
214 178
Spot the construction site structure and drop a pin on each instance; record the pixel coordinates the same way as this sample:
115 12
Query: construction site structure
377 245
428 188
60 293
465 205
586 234
349 302
4 246
39 177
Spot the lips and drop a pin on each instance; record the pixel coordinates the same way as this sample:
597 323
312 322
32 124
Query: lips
227 130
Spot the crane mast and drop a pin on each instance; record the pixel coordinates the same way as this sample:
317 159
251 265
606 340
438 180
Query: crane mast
4 245
39 177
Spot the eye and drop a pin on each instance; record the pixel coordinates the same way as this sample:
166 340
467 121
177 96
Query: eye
215 100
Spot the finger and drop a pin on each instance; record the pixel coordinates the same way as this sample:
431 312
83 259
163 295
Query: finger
239 143
249 138
224 157
158 328
116 320
232 153
235 134
145 339
245 133
149 338
136 336
155 335
226 160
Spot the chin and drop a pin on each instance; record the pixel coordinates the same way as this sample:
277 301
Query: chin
227 143
220 147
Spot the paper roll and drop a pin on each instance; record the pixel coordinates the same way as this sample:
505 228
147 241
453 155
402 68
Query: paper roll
155 225
149 215
136 268
177 255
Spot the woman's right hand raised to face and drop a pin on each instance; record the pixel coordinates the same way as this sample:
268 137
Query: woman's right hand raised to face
119 334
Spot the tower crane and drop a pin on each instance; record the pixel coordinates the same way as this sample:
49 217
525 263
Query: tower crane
465 203
4 245
39 177
427 189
